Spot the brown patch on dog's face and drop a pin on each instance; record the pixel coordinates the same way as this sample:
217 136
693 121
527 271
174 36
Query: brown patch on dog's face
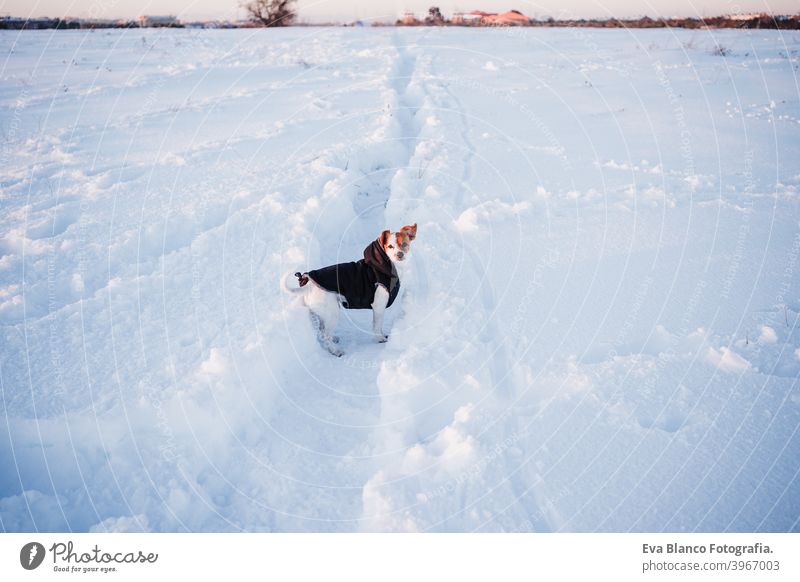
411 231
397 245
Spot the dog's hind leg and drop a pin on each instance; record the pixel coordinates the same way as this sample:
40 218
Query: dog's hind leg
316 322
328 313
324 307
329 342
324 337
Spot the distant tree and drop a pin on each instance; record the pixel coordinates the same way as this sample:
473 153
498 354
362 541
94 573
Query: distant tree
271 12
434 17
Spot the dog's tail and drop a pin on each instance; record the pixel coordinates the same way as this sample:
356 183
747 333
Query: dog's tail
302 282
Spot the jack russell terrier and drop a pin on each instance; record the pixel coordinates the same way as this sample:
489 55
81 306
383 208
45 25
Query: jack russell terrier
370 283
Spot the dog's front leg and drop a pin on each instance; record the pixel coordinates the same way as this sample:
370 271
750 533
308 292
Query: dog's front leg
378 309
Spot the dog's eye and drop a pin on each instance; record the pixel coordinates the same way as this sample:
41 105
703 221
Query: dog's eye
391 246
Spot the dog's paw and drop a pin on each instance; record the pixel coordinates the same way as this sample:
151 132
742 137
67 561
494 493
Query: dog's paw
382 339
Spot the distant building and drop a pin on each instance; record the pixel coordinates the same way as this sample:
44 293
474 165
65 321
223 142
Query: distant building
751 16
409 19
155 21
511 18
476 17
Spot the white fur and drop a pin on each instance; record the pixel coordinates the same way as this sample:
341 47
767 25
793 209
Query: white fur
378 308
324 305
324 308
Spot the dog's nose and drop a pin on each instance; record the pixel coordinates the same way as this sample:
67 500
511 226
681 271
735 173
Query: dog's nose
400 254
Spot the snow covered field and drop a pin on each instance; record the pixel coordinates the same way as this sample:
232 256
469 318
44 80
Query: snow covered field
599 331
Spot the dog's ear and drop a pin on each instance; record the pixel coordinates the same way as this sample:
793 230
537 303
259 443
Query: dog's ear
411 231
384 238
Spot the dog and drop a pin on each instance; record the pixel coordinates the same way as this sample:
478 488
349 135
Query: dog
369 283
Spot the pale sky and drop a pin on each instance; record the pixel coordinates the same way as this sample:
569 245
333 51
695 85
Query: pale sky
341 11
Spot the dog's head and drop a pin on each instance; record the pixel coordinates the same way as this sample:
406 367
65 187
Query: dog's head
398 244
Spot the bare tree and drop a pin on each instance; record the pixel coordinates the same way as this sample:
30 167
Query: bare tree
434 17
271 12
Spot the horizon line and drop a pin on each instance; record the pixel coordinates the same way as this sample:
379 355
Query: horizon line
399 17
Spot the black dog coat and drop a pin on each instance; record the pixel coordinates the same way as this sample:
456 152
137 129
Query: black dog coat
356 281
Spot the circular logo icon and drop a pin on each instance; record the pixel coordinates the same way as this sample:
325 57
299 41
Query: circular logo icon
31 555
